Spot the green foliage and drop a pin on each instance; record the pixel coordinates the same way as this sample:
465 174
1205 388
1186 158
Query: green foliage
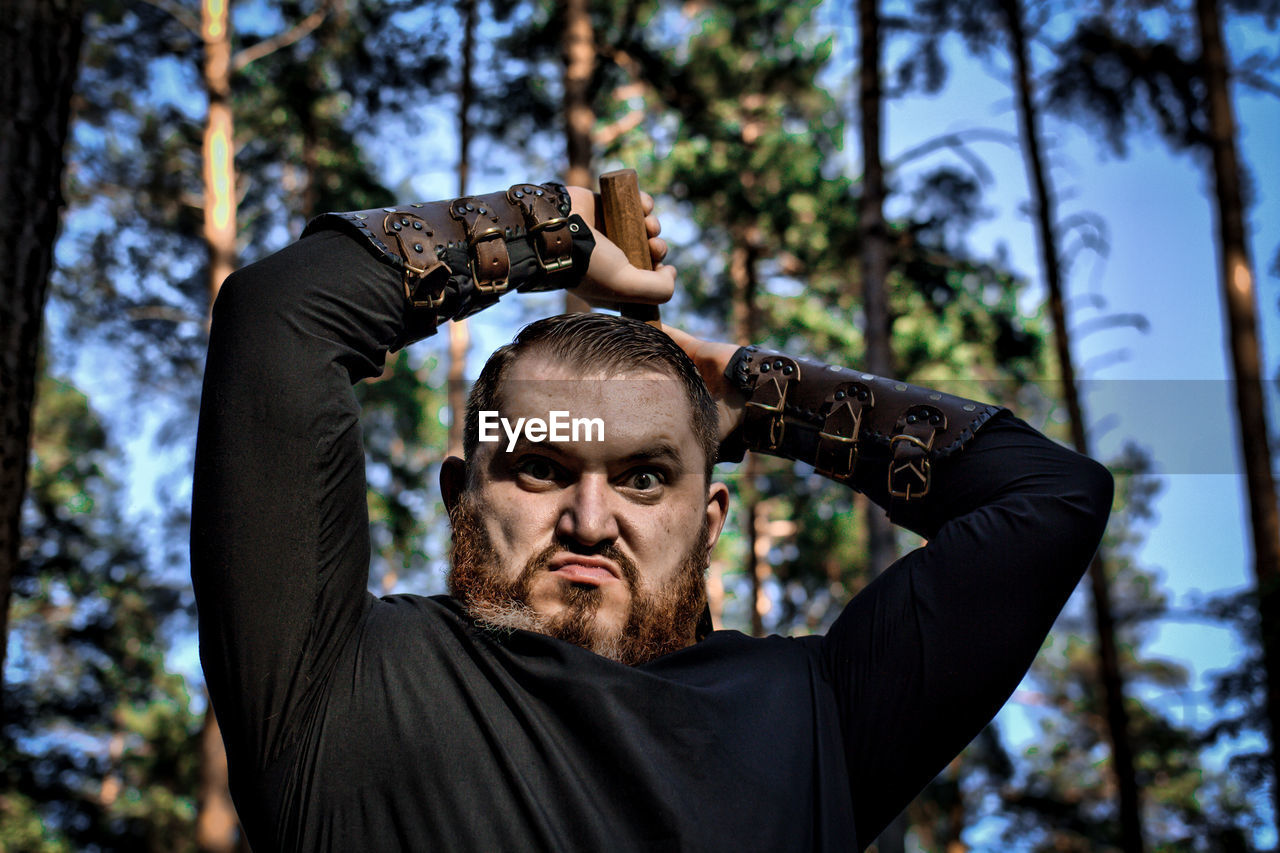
97 746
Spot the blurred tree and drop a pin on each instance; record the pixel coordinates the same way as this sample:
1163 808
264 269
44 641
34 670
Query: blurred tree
39 55
1062 796
986 26
97 753
1116 71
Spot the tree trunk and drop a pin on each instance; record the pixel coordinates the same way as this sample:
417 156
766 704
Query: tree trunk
216 824
39 58
217 827
874 263
218 153
743 273
1236 277
579 117
459 334
1044 204
878 358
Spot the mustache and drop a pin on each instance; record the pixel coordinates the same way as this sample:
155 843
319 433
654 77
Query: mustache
540 561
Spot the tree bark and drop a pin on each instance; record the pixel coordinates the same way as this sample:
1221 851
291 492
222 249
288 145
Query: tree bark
1044 204
579 116
218 151
743 274
1235 270
217 828
874 263
39 57
459 334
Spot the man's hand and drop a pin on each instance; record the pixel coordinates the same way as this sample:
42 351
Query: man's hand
611 280
712 359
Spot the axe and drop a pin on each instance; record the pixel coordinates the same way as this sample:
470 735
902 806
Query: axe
624 225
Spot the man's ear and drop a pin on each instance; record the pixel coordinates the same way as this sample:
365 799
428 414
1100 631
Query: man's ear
717 511
453 481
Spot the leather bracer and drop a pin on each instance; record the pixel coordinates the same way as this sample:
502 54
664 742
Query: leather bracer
833 418
457 257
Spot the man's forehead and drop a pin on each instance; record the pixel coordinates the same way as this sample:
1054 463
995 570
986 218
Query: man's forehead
637 411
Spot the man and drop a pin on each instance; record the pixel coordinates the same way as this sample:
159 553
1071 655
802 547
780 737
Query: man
570 696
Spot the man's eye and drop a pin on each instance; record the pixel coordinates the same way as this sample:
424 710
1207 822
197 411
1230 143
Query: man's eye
644 481
536 467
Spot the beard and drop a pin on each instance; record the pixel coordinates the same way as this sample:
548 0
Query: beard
656 624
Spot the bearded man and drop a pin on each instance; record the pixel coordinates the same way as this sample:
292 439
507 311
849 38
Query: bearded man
569 693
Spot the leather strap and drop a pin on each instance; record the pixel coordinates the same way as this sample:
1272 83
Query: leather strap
832 417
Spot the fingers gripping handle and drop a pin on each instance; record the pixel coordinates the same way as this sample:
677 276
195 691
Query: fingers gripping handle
624 225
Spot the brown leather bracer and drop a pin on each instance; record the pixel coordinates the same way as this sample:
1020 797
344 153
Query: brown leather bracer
829 416
458 256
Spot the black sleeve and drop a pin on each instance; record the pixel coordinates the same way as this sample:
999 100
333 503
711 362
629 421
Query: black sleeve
280 541
926 655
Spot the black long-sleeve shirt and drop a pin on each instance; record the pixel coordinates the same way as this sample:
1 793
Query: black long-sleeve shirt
362 723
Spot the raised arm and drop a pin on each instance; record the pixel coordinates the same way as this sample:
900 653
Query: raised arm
280 543
925 656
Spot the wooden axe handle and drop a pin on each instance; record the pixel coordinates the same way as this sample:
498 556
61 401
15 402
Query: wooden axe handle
624 225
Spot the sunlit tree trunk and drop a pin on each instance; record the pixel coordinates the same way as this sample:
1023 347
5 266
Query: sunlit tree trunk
459 334
219 169
216 823
1237 282
579 116
743 273
1044 204
874 264
39 57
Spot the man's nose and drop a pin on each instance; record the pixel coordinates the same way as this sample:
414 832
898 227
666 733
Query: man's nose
588 516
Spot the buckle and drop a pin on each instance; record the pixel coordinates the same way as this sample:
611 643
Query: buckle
558 264
431 283
924 475
777 425
485 285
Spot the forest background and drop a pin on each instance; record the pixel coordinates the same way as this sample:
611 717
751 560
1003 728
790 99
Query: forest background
1018 203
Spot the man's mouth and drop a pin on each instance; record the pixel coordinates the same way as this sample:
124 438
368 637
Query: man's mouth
576 568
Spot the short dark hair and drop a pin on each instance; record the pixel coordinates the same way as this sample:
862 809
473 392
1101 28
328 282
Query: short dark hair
597 342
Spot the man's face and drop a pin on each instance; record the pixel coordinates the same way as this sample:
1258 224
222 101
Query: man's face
600 542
